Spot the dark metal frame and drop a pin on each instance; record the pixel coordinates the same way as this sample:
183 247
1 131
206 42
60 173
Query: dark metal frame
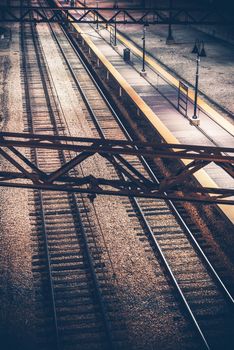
115 15
135 183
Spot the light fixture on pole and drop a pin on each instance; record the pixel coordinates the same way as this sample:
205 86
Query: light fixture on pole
199 50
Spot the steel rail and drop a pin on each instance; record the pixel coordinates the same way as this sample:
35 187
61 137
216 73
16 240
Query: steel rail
172 206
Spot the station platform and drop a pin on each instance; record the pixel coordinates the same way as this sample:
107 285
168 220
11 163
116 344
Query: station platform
216 76
162 99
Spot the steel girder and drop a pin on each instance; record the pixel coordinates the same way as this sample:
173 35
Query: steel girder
110 15
134 182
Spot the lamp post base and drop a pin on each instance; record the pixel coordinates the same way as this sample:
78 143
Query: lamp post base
194 121
143 73
170 40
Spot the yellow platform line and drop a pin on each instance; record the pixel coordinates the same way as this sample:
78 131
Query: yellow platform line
202 177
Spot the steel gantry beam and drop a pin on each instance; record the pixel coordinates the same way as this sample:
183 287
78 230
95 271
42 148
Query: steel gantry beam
111 15
136 183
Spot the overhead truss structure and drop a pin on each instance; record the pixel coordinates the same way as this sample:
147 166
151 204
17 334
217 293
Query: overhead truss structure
110 15
129 181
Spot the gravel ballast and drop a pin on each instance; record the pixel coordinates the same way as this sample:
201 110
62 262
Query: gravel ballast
17 294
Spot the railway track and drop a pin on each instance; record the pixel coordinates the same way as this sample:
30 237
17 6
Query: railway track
77 301
67 263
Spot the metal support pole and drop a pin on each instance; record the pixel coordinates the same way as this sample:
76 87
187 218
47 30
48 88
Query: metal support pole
115 40
143 61
84 5
199 50
97 27
170 38
143 72
196 88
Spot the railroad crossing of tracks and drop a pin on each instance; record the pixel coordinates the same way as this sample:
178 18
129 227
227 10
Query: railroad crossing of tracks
133 183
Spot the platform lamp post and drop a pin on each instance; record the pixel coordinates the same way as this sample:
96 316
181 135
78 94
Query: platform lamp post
84 4
97 26
199 50
115 25
143 72
170 39
115 32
